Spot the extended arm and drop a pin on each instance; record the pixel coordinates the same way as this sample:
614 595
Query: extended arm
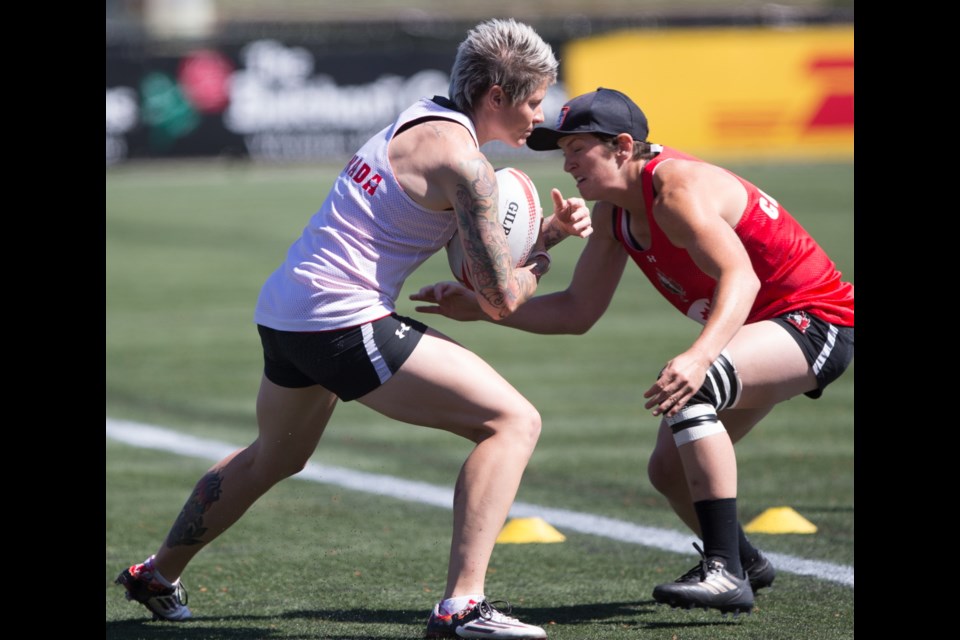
697 207
572 311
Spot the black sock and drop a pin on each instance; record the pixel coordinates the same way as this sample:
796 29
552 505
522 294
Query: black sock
719 527
748 552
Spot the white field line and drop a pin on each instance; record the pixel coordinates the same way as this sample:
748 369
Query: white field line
150 437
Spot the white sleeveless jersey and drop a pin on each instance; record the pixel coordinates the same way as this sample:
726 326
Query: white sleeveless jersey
353 257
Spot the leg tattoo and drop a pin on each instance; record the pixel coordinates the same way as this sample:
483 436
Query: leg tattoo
188 528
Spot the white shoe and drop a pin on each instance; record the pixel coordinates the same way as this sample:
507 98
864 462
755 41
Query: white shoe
481 620
164 602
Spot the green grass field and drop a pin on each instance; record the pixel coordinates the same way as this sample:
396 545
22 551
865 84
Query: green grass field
188 246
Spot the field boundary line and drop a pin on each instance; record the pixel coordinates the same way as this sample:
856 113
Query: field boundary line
159 438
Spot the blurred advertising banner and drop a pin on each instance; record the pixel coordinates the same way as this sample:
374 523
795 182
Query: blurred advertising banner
267 100
743 92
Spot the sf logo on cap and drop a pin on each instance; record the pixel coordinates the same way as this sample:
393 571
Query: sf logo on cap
563 116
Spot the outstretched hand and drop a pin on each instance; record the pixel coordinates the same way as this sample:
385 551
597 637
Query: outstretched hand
676 384
571 214
450 299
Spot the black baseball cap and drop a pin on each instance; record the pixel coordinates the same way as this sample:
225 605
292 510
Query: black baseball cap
603 111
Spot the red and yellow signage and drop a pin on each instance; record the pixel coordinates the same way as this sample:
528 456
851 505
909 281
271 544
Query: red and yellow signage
751 92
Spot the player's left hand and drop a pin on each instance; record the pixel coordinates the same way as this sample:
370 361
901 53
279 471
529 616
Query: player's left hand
450 299
571 214
676 384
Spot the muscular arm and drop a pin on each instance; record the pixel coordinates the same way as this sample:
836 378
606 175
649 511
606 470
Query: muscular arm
439 166
697 207
501 288
572 311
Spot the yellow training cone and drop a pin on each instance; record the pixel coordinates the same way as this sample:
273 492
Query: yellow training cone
780 520
526 530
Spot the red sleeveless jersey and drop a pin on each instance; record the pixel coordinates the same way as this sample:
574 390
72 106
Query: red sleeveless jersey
794 272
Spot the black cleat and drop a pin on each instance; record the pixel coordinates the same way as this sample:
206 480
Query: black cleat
760 572
707 586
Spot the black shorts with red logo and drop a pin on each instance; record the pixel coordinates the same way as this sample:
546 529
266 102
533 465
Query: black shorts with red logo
350 362
827 347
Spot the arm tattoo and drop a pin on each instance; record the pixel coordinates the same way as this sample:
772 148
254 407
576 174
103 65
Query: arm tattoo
188 528
552 236
477 211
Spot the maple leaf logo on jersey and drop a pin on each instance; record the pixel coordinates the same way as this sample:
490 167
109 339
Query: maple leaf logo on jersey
699 310
705 314
800 320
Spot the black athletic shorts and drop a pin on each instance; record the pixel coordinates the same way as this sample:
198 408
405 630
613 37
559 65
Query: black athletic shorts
349 362
827 347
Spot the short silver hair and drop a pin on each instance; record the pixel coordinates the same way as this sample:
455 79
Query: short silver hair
501 52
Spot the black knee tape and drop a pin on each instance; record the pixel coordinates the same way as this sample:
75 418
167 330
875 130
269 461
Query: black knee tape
721 388
693 422
698 419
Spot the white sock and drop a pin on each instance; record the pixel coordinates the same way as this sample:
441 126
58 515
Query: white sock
156 574
459 603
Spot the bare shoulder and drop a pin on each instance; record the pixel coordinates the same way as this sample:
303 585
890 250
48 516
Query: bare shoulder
688 189
429 158
685 173
435 142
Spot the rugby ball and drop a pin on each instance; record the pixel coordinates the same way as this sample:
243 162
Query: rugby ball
519 214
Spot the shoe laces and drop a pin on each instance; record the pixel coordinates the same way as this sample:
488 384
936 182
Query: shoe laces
699 572
707 565
497 611
180 593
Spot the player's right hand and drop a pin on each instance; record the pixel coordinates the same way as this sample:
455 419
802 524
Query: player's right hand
572 214
450 299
